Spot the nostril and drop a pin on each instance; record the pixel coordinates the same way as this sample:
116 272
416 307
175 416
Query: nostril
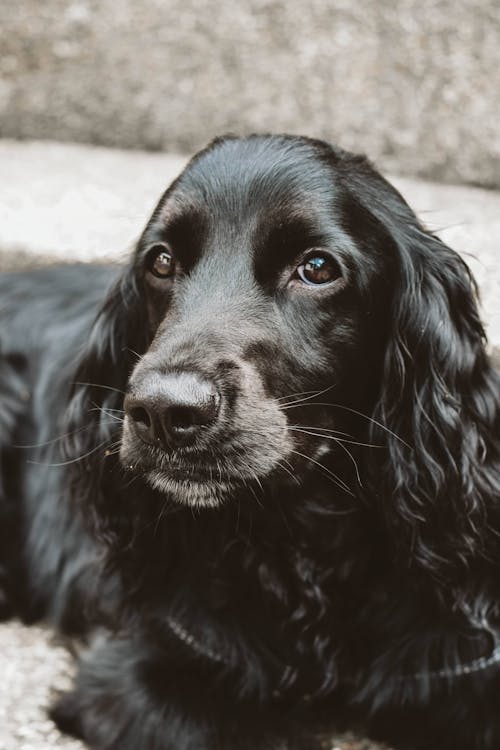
140 415
181 417
172 410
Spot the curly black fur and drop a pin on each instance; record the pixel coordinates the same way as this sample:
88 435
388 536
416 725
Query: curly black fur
328 549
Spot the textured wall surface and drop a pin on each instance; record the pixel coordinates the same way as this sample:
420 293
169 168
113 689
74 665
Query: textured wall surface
414 83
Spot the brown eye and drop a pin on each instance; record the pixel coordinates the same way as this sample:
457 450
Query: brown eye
160 261
318 269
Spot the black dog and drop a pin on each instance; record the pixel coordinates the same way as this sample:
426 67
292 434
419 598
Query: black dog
261 474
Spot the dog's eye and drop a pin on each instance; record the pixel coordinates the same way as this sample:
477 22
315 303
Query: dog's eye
159 261
318 269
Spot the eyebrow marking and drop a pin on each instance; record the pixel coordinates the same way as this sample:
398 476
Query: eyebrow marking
281 242
185 231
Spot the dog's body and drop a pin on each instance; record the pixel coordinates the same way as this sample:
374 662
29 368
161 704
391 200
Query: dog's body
265 466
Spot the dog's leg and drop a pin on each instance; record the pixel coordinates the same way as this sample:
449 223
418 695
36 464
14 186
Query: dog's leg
127 696
12 404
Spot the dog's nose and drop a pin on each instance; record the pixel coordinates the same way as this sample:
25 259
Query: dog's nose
172 410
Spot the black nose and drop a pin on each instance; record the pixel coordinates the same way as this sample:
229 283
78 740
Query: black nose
172 410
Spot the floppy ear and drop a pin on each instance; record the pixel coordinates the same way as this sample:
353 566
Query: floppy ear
440 397
95 410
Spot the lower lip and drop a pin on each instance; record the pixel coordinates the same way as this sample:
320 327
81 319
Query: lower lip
202 494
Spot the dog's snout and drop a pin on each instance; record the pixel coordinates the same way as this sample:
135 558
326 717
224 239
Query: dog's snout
172 410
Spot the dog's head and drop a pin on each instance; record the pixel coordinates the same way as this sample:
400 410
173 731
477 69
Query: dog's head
280 288
265 283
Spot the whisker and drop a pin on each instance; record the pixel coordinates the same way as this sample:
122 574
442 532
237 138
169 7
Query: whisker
252 490
100 385
107 413
132 480
113 448
324 429
332 437
71 461
119 411
295 395
284 468
351 457
132 351
337 480
163 511
307 430
284 519
314 403
257 479
237 527
374 421
112 451
354 411
54 440
307 398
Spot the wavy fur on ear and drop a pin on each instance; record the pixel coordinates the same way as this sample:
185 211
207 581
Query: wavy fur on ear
438 487
94 415
440 397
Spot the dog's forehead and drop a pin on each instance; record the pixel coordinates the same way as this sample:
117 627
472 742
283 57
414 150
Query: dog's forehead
264 200
248 176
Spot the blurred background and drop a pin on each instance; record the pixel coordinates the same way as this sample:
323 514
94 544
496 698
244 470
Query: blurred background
102 101
414 83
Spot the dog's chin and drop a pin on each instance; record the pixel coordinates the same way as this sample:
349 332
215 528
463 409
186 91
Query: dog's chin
189 492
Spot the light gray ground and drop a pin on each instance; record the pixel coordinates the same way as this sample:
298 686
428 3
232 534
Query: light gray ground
32 665
81 202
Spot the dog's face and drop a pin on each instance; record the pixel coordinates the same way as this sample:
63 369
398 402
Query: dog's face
265 282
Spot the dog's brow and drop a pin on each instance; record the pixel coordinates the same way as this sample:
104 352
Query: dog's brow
281 240
185 231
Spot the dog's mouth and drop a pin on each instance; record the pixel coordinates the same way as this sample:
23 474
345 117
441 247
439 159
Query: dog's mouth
208 471
191 482
206 479
191 490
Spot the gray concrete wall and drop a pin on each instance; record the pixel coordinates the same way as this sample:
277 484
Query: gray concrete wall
414 83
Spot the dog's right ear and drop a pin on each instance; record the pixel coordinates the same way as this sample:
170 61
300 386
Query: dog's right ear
94 415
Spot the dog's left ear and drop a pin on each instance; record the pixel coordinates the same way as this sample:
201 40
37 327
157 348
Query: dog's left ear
95 410
439 484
